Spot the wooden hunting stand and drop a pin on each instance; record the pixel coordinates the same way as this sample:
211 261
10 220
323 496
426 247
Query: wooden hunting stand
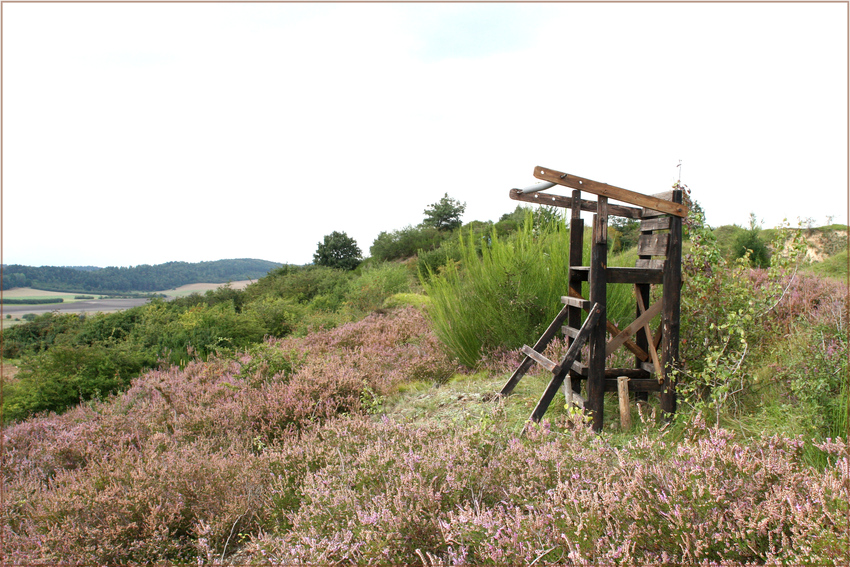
659 262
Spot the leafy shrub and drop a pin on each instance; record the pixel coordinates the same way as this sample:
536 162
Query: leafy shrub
376 284
277 317
406 242
38 334
302 285
66 375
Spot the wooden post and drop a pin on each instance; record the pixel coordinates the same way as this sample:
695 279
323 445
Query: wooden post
671 311
623 394
576 259
598 294
642 291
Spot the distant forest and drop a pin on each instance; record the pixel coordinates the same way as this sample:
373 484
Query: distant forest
135 278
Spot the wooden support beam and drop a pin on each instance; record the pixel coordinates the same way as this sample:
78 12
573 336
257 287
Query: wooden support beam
576 253
623 275
611 191
637 324
550 200
671 297
614 331
652 351
598 294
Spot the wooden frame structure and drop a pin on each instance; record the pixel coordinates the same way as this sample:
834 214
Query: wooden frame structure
659 262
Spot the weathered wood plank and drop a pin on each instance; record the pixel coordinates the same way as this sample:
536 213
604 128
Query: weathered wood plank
541 344
611 191
571 332
575 302
540 359
664 195
650 265
658 223
638 323
590 324
551 200
653 244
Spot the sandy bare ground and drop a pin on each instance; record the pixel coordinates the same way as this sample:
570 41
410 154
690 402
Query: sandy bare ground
202 287
19 292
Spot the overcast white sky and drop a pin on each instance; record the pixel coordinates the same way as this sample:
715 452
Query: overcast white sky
147 133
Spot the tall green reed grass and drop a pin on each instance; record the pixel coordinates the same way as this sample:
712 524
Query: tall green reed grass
504 292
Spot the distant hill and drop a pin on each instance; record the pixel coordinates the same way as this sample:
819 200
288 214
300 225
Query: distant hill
135 278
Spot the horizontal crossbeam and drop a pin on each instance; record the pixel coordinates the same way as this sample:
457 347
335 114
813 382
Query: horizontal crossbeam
610 191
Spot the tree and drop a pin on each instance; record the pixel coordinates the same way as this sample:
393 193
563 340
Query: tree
750 241
338 251
444 215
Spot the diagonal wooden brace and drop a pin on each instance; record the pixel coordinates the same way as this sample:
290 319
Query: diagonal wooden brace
566 362
652 348
636 325
614 331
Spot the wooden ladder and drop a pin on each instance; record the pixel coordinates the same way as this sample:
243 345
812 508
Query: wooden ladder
559 370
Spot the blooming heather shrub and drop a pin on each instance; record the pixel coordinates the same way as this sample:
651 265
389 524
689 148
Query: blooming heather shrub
390 349
376 492
174 468
211 464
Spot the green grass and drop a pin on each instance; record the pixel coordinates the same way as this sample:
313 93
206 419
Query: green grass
506 294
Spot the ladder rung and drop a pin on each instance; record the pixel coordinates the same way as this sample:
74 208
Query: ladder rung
576 302
540 359
570 331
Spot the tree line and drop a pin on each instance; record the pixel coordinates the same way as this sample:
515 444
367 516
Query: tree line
144 277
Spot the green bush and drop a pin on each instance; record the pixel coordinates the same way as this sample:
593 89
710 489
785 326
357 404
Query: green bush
65 375
302 285
406 242
376 284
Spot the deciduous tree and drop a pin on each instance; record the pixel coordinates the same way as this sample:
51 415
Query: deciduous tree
445 214
338 250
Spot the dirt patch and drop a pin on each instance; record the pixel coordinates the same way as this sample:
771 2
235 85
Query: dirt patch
9 371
